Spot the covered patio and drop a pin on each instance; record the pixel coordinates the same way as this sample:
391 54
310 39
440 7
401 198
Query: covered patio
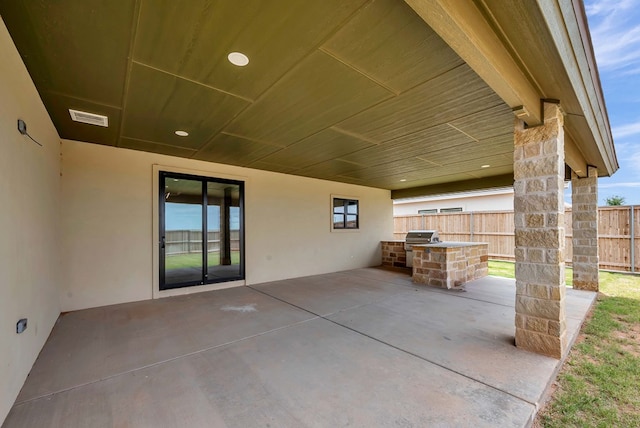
363 347
135 147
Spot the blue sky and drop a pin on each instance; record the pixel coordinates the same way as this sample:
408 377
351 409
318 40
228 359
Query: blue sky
189 217
615 34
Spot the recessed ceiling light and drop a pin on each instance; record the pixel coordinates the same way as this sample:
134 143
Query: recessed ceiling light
403 179
485 166
182 133
239 59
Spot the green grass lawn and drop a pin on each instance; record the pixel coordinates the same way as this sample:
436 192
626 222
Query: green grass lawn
507 270
177 261
598 385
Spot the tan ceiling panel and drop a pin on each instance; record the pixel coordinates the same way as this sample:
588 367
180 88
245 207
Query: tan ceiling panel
58 107
484 124
78 49
234 150
493 171
323 146
158 104
388 41
318 93
474 164
472 150
398 168
148 146
194 39
448 97
357 91
417 144
329 169
393 183
266 166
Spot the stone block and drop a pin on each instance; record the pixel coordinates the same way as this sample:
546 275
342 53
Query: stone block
538 291
557 292
539 325
540 273
520 320
552 346
436 282
536 255
518 152
554 256
592 285
535 185
557 328
538 167
550 147
537 134
534 220
539 238
537 204
554 220
532 150
541 308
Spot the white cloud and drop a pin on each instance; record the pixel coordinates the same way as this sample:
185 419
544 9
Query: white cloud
631 184
626 130
615 33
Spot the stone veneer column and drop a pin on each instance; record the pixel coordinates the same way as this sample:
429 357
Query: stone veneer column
539 235
584 213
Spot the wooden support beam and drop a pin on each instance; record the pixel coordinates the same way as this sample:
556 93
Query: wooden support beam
457 186
462 25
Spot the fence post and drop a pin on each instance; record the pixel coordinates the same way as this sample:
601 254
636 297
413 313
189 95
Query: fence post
633 239
422 219
471 226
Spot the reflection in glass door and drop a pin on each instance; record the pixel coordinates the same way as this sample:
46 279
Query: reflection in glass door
198 213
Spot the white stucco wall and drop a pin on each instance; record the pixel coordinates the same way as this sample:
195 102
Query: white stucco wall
107 223
29 214
496 200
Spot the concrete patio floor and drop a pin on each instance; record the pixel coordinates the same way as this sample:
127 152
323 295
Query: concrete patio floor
360 348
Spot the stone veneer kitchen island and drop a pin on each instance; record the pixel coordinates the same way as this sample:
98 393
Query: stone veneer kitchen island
450 264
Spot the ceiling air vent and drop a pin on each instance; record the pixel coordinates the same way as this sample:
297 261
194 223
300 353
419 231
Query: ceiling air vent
90 118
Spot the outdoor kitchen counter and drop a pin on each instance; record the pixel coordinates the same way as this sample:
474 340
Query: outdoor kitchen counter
450 264
393 253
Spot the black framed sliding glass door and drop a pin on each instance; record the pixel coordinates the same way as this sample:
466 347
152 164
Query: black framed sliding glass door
201 230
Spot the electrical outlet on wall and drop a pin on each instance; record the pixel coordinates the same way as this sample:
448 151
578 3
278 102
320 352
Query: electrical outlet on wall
22 127
21 325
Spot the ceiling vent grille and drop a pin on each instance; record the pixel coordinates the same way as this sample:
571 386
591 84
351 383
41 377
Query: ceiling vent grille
90 118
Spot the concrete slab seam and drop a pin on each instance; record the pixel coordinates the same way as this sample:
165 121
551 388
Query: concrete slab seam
400 349
157 363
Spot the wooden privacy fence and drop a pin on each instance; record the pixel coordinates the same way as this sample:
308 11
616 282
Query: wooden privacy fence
618 230
190 241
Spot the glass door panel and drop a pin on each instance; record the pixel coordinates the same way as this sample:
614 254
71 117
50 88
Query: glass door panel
183 255
201 230
223 214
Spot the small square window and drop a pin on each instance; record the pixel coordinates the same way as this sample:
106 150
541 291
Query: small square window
346 213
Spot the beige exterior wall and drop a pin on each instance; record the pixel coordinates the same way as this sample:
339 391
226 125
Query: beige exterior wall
29 214
108 215
496 200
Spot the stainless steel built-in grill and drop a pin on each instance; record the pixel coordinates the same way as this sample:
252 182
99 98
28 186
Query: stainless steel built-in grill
418 237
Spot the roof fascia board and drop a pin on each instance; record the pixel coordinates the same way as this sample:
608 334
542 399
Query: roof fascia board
567 23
